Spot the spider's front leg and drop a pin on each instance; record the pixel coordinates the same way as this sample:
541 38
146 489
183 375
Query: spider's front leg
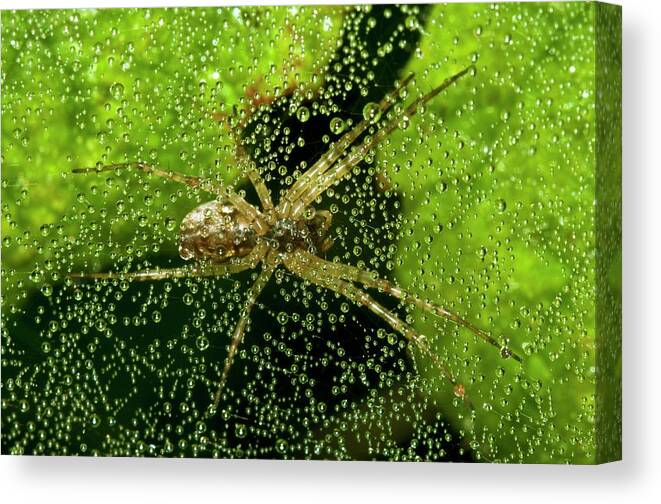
309 179
354 274
319 277
319 181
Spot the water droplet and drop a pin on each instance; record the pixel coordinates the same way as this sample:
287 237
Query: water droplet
337 125
372 112
281 446
240 430
117 90
36 275
303 114
412 22
202 342
170 224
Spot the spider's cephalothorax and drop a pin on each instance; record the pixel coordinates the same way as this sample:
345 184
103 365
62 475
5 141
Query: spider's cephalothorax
229 235
309 233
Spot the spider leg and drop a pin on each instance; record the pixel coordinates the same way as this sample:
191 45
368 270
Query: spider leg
326 217
253 175
361 297
240 329
165 274
144 275
354 274
248 262
261 189
260 221
310 177
242 158
189 180
327 178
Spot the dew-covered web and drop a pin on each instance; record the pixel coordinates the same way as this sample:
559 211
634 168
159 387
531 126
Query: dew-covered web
480 202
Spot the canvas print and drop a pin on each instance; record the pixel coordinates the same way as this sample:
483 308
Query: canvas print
363 232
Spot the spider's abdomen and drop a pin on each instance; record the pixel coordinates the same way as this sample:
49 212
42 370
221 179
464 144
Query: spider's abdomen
216 231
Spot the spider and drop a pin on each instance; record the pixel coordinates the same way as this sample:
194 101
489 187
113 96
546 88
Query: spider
228 235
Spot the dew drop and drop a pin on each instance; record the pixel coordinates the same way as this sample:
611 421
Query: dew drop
117 90
303 114
281 446
240 430
372 112
337 125
412 22
202 342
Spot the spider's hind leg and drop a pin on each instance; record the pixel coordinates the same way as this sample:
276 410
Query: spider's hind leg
240 329
145 275
247 262
189 180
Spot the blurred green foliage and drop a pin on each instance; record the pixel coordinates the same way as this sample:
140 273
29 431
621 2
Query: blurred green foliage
504 195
